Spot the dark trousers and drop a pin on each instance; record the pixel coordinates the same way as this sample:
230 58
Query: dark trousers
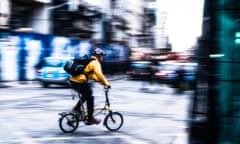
86 91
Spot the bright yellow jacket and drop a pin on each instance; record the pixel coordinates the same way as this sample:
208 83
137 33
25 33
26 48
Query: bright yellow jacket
92 71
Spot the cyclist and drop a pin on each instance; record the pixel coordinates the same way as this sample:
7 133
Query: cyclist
81 84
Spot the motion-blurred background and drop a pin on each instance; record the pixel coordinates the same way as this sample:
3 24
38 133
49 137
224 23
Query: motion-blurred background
140 38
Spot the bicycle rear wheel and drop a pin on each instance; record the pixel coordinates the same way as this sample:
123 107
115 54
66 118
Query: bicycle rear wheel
113 121
68 123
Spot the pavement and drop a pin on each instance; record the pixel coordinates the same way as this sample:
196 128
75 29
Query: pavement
6 84
182 138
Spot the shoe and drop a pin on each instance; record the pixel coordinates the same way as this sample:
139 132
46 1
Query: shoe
92 120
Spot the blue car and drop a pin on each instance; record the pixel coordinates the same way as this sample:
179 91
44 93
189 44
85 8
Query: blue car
52 71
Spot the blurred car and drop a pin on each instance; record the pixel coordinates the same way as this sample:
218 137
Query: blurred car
167 72
52 72
139 70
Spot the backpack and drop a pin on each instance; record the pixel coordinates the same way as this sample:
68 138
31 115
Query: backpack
76 66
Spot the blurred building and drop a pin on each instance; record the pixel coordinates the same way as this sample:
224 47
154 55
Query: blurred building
29 15
161 42
109 21
135 23
156 26
4 13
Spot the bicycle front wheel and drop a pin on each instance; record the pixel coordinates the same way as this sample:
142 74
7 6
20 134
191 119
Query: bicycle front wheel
113 121
68 123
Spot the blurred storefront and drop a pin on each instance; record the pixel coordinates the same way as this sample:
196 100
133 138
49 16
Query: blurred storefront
21 53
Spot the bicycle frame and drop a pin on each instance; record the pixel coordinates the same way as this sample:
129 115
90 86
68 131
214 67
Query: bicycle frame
69 121
105 108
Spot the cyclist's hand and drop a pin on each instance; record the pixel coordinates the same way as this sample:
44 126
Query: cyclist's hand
109 86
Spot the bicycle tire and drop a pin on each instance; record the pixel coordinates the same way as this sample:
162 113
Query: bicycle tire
69 120
113 121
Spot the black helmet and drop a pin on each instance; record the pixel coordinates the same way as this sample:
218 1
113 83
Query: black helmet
98 51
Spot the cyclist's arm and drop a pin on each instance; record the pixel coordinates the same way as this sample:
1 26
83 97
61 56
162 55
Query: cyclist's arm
99 74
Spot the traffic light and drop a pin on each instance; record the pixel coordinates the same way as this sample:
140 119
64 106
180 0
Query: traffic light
237 37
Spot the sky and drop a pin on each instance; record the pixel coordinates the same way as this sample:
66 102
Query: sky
184 22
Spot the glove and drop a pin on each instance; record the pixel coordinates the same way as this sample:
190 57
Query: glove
109 86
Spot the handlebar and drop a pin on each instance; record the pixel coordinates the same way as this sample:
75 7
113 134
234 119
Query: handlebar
106 89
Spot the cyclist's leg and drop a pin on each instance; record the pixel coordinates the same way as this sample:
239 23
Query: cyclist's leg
91 119
90 106
87 93
81 100
77 88
77 106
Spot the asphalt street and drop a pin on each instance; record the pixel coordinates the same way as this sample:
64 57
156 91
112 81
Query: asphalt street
153 114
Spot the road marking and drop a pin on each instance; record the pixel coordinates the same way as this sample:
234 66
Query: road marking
26 140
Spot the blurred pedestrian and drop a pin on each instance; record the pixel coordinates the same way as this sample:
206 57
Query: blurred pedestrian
181 84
